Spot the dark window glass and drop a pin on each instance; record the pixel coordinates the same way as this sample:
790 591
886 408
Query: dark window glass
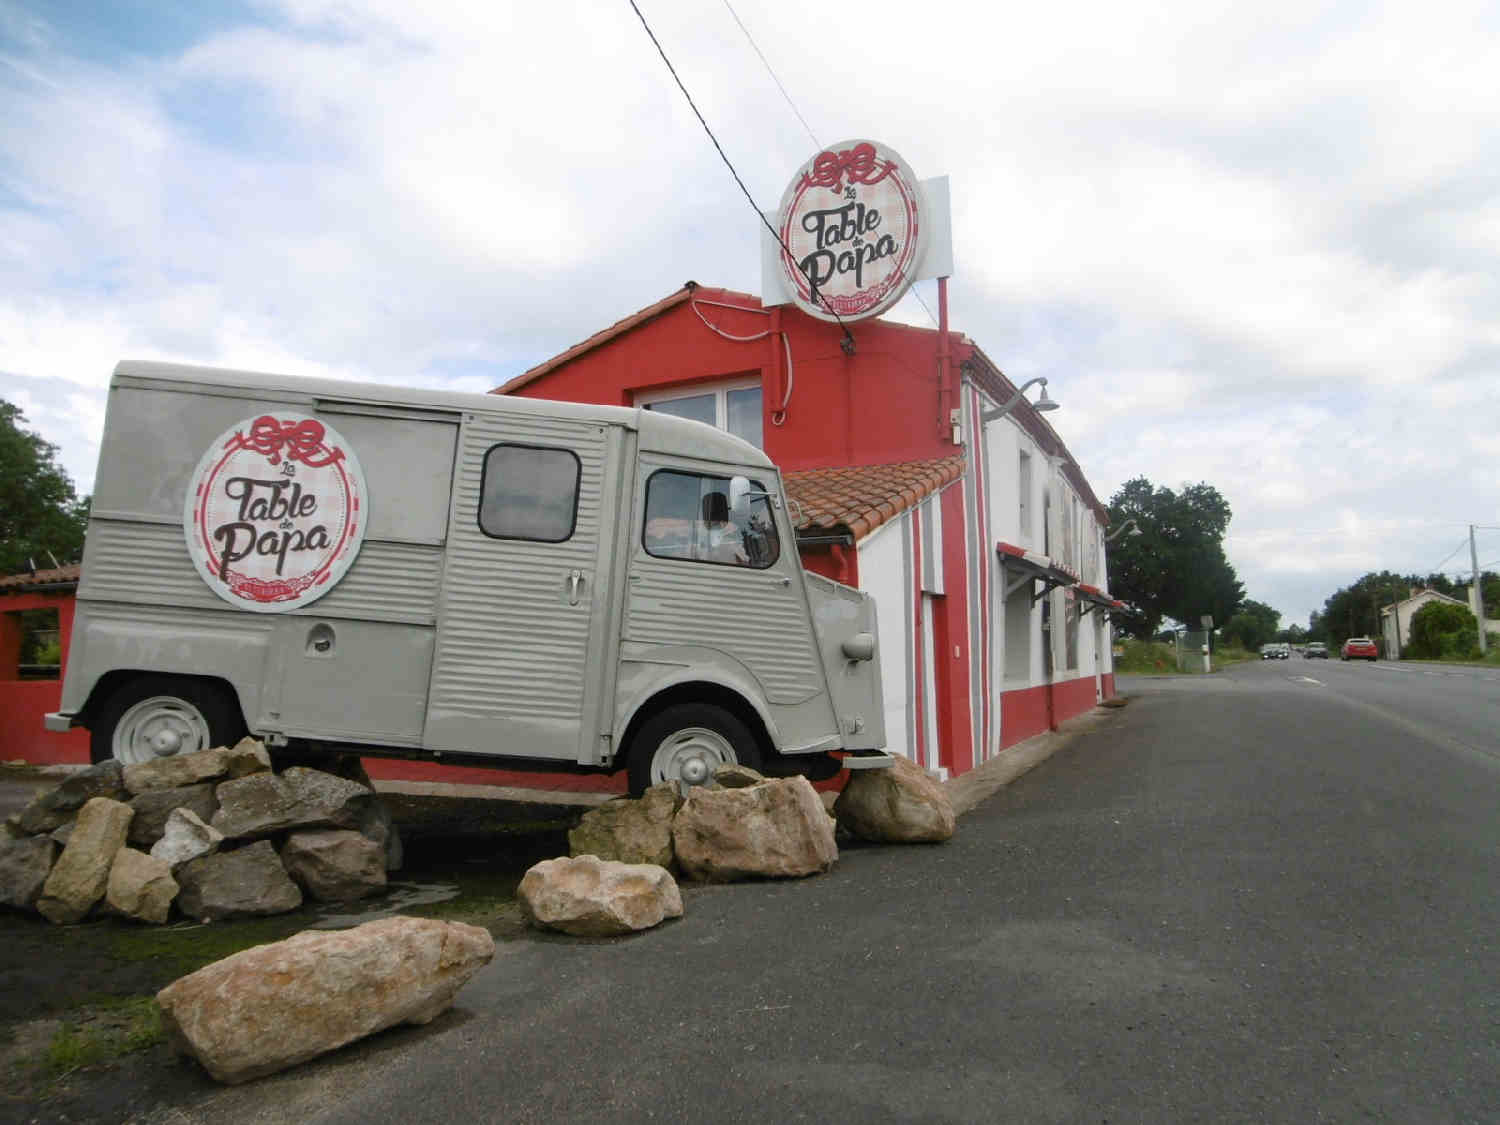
688 517
529 493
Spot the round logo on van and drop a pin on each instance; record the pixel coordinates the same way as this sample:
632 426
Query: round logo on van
275 512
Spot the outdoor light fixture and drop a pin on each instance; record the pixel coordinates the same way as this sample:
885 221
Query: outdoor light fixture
1042 404
1130 523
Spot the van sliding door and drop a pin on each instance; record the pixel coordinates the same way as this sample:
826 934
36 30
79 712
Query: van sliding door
524 611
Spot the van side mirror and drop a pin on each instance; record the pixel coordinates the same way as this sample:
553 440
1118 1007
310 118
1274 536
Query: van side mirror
739 492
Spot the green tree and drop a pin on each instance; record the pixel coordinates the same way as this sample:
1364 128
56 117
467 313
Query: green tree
1442 629
1253 625
41 517
1176 567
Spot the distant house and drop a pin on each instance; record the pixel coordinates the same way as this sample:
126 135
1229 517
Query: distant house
1395 621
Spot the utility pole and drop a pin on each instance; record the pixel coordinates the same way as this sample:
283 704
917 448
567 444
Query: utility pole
1478 589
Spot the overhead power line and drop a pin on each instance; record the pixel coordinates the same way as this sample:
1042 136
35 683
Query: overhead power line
756 48
848 341
1462 543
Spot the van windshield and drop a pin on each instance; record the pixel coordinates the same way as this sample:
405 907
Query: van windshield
688 517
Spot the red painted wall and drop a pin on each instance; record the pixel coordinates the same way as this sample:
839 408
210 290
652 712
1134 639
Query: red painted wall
24 702
1023 713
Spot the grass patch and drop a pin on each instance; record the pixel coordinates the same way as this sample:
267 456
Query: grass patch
103 1032
1146 658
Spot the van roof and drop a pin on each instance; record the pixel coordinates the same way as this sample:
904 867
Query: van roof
659 433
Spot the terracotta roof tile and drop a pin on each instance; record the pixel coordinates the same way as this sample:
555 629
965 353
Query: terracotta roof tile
51 577
859 498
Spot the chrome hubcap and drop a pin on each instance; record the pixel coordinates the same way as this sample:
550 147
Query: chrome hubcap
690 756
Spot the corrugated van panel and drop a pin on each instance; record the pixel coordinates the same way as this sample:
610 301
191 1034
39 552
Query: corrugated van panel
509 644
748 614
148 564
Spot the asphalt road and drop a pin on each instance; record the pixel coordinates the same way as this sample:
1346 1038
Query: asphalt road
1266 895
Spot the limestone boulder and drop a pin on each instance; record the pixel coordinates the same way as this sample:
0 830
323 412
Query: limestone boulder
140 887
177 771
81 874
58 806
335 864
247 882
185 837
154 807
774 829
732 775
902 804
245 757
274 1006
24 867
263 804
629 831
591 897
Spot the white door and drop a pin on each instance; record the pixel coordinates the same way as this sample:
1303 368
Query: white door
523 617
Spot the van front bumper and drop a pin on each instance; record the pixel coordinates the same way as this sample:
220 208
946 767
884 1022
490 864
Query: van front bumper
58 722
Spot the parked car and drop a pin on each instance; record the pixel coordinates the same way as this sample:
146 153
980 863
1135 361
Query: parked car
1315 650
1358 648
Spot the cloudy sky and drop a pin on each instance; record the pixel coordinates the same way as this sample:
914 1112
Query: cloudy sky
1254 245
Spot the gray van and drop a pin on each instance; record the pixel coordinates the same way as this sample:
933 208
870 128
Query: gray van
465 578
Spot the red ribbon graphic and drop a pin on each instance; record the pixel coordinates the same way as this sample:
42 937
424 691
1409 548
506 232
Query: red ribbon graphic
301 441
858 163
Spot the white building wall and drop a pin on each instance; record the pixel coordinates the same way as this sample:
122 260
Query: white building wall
885 574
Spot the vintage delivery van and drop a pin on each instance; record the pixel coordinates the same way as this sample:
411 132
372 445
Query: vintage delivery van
344 567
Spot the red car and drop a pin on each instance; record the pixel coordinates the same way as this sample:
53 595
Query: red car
1358 648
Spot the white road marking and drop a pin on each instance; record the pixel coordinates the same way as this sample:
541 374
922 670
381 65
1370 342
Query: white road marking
1310 680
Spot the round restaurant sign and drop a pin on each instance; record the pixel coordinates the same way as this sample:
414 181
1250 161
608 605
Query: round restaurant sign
275 512
852 221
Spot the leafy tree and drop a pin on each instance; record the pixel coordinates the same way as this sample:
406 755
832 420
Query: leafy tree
1176 567
1354 610
41 517
1442 629
1252 626
1292 635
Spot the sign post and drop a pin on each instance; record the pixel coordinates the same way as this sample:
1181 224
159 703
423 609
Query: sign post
1208 634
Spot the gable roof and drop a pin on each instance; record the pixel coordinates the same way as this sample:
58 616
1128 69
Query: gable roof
1424 595
860 498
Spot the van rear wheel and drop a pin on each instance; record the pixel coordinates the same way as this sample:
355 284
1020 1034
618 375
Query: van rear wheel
687 742
155 717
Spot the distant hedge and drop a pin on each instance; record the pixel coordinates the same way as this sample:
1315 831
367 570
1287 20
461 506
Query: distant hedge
1443 631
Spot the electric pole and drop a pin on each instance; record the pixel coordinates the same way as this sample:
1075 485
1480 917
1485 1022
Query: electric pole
1478 589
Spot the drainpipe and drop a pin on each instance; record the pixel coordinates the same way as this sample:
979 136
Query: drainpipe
945 426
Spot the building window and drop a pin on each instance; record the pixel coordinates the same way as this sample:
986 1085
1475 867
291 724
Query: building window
529 492
733 406
688 516
1024 487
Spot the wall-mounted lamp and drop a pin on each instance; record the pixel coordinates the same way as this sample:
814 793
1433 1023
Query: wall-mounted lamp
1042 404
1130 523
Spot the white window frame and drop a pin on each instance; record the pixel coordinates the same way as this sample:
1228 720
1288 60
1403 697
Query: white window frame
720 390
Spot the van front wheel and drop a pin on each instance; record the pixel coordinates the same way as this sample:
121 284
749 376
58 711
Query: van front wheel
686 743
162 717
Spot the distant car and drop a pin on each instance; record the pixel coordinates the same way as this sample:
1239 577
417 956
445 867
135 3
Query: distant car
1358 648
1315 650
1275 651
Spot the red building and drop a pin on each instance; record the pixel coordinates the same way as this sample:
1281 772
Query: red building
980 539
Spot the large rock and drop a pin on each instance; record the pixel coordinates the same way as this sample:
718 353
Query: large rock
901 804
591 897
186 837
733 775
630 831
274 1006
81 873
140 887
24 867
263 804
777 828
250 881
59 806
153 808
245 757
335 864
177 771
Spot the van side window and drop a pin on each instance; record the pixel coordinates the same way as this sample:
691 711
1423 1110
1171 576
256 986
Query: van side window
529 492
688 517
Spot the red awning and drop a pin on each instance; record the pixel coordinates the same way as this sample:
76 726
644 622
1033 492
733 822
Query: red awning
1023 566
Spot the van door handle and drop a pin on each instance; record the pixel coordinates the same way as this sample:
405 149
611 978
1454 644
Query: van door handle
575 583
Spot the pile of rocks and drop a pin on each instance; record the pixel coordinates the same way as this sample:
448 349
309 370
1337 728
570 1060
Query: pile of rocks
217 834
619 877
